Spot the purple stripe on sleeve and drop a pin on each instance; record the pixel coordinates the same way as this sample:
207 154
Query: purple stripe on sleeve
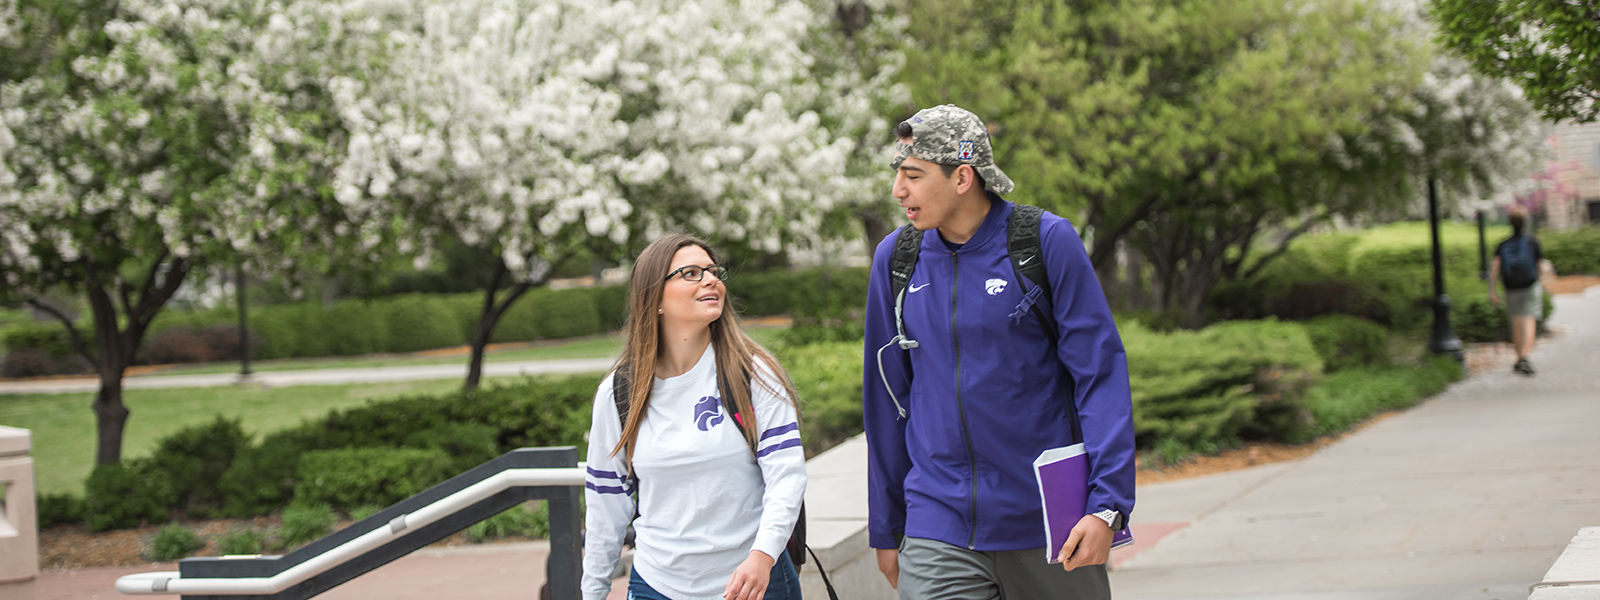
605 474
779 446
606 489
780 430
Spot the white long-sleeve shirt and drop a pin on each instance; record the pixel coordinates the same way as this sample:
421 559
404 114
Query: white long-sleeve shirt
704 500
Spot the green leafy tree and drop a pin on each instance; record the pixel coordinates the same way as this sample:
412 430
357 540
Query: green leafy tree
1185 133
1550 48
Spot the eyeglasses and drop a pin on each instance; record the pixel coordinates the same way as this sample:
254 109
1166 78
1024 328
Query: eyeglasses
696 272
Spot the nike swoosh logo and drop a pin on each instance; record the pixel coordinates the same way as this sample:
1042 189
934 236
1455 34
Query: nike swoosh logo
1025 261
914 288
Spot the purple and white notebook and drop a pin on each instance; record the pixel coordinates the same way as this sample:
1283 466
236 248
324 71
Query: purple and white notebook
1063 475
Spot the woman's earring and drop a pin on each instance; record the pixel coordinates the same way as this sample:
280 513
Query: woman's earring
660 311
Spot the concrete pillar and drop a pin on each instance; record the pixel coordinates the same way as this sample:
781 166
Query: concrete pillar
19 523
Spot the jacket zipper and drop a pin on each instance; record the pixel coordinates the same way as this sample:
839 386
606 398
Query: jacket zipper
966 435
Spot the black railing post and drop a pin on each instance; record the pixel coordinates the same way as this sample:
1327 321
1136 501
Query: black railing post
564 570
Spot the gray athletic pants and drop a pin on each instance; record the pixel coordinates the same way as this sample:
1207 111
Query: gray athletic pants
934 570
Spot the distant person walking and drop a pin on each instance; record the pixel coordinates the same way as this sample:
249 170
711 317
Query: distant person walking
1516 264
705 431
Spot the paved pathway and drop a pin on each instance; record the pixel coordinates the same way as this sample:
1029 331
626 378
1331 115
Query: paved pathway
1471 495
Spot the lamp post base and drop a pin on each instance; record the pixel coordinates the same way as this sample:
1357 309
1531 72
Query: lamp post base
1444 340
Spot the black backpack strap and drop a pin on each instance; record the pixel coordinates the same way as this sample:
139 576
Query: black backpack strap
1024 244
907 245
727 404
1027 257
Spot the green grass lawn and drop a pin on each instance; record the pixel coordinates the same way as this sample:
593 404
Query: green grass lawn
64 430
598 346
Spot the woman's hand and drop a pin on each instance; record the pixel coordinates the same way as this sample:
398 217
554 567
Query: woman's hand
749 581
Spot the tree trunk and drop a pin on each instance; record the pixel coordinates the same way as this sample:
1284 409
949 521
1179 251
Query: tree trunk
117 345
492 311
874 226
110 414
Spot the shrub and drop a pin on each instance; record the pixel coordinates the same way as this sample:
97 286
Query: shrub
1215 385
419 322
468 444
566 313
288 330
544 313
1572 252
193 460
175 346
362 512
241 543
462 428
759 294
51 338
261 479
28 362
1355 395
59 509
304 523
1344 341
174 542
119 496
354 327
222 341
349 478
528 519
611 304
828 378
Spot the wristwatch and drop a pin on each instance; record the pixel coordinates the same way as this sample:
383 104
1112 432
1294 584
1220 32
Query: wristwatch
1111 517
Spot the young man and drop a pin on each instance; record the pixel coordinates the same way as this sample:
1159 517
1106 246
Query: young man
1516 263
959 406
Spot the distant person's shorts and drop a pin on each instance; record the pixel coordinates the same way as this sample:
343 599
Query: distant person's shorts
1526 302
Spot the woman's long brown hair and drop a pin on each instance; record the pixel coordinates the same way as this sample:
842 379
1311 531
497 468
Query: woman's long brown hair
737 354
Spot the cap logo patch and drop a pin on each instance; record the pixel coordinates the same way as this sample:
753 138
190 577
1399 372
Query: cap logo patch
965 151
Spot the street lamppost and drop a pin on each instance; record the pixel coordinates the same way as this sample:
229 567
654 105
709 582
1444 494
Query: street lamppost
1444 340
244 329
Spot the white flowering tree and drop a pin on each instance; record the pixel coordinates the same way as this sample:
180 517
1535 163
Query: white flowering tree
142 139
535 128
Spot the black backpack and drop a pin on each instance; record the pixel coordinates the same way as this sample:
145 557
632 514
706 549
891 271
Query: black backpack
1027 261
796 547
1518 265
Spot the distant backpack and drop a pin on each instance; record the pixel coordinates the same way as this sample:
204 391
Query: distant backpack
796 547
1519 267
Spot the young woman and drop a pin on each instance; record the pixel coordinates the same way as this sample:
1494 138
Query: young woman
718 493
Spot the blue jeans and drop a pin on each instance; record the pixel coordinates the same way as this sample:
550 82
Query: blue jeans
783 584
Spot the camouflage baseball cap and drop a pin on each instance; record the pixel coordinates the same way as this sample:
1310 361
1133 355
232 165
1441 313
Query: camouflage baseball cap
951 135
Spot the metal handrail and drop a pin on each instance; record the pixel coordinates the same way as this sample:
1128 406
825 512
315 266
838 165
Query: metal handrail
171 582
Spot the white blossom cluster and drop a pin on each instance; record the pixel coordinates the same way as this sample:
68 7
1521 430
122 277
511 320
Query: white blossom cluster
189 138
1473 132
288 131
515 123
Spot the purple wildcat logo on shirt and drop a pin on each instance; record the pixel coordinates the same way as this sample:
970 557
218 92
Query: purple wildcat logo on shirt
708 413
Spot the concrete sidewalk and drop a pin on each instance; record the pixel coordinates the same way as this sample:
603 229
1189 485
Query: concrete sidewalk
1471 495
314 376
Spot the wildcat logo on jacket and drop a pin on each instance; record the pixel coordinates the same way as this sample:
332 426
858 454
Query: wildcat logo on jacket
994 286
708 413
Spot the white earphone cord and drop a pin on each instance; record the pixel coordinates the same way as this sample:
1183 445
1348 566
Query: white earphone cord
905 344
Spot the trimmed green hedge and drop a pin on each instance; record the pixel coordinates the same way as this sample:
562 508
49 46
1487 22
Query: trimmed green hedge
346 479
1350 397
1572 252
1218 384
1382 274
